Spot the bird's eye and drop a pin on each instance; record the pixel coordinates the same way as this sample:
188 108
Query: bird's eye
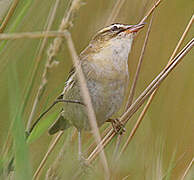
114 28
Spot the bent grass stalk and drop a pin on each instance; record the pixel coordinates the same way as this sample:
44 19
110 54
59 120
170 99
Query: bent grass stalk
29 86
115 11
53 50
142 21
87 102
141 99
134 82
154 93
38 58
8 16
50 150
187 169
31 35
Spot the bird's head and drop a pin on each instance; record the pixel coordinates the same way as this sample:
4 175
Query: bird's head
116 32
112 43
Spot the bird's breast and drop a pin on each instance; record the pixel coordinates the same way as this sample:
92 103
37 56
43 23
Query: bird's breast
107 81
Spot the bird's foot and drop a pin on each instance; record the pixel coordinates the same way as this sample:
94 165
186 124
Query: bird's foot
118 126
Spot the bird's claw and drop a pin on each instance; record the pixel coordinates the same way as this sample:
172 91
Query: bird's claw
118 126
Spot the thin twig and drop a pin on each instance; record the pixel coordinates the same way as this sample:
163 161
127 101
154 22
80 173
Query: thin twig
187 169
145 94
87 100
8 16
31 35
154 93
51 148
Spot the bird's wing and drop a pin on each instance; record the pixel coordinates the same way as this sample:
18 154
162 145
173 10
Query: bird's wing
71 79
61 123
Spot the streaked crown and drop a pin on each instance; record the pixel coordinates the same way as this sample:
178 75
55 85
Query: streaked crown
116 30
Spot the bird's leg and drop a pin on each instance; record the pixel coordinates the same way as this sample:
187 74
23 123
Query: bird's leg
79 146
117 125
82 160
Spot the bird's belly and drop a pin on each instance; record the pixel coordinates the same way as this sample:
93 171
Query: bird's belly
106 99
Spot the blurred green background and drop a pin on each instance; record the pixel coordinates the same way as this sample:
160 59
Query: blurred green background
167 133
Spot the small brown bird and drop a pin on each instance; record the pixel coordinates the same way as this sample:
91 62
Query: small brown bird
105 66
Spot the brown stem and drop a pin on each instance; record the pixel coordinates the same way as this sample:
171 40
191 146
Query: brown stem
155 91
8 16
150 11
145 94
32 35
87 101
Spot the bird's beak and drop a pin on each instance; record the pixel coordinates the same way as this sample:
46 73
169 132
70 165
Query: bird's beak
134 28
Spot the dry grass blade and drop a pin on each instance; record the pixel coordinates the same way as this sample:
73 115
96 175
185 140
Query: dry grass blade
38 58
187 170
145 94
87 100
102 144
182 38
134 82
150 11
117 5
51 148
174 166
157 81
132 133
8 16
154 93
32 35
112 17
132 90
52 170
115 11
53 50
93 145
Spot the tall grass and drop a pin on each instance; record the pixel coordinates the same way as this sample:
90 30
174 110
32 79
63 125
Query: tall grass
23 68
20 149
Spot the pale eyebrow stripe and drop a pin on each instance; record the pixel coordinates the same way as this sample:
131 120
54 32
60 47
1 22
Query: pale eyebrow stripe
109 27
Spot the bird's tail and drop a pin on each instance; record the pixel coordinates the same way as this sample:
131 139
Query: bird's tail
60 124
